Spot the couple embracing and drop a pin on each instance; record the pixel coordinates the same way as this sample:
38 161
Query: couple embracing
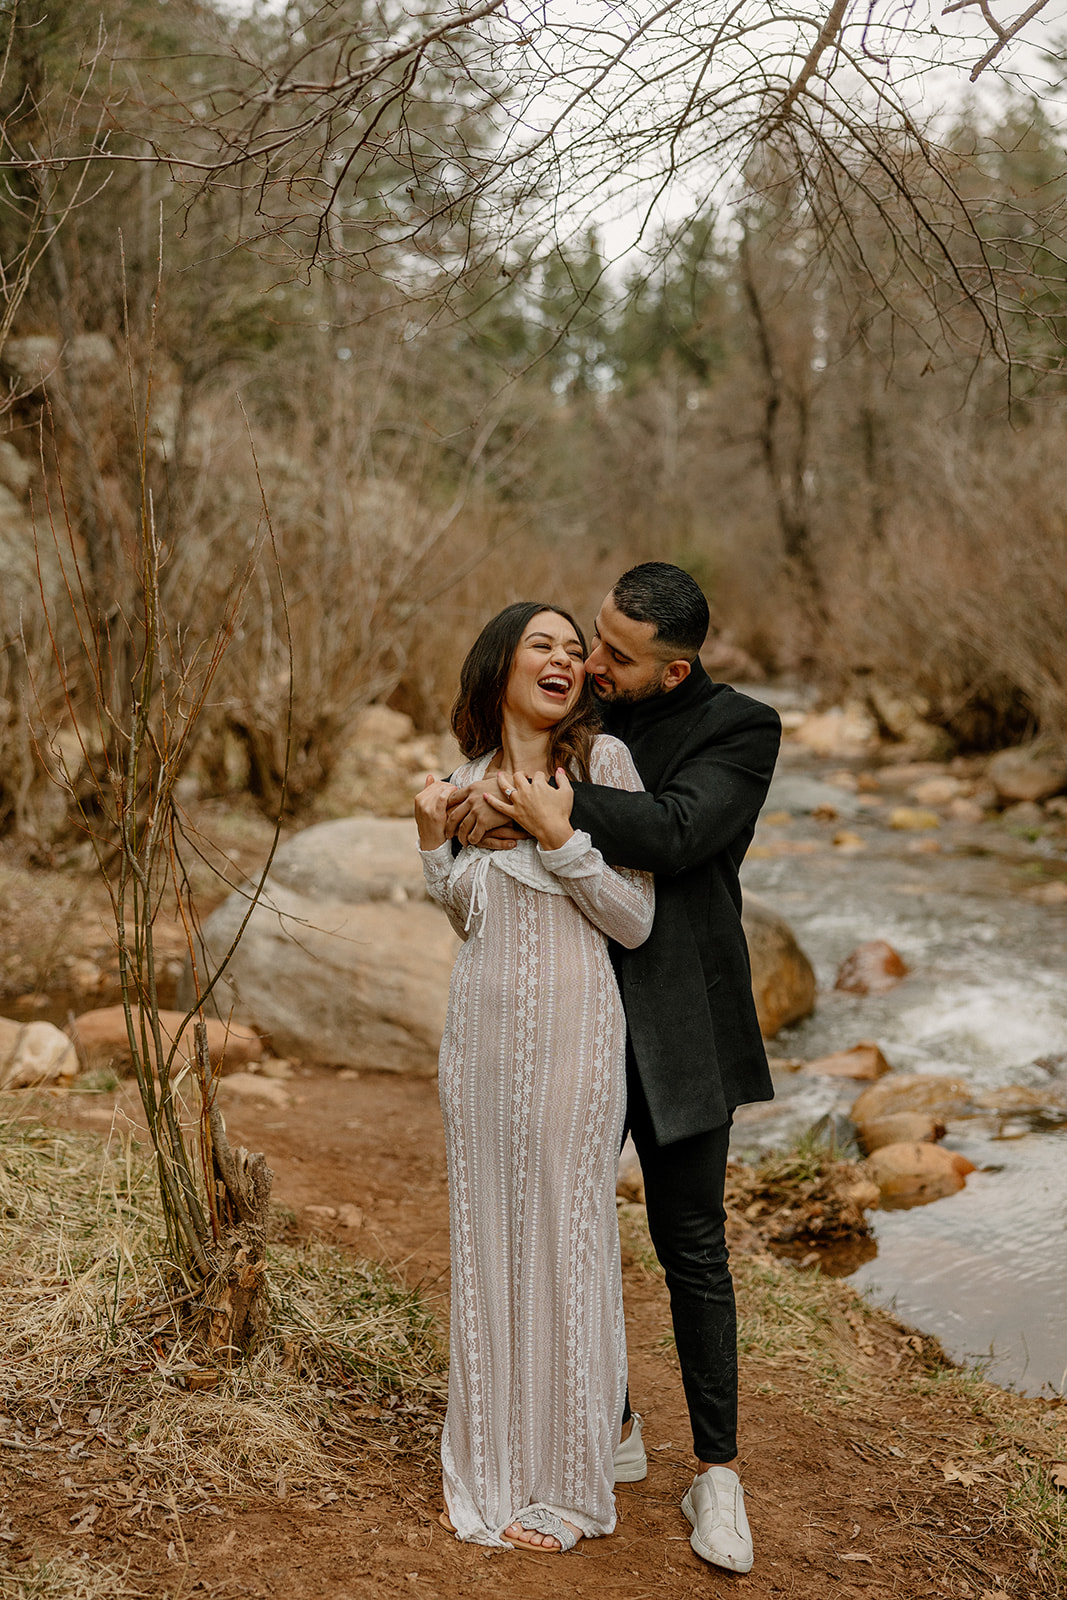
587 853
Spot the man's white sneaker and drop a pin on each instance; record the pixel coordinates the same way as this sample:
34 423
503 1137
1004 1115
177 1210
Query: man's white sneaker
715 1505
631 1462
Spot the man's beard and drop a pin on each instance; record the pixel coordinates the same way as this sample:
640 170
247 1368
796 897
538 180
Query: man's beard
629 697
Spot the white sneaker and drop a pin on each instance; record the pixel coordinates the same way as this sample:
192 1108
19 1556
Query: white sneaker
631 1462
715 1505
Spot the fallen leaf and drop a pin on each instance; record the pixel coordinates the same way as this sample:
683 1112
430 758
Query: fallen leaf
1058 1474
856 1555
954 1474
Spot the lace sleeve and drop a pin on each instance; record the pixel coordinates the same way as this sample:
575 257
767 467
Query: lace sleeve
621 902
455 897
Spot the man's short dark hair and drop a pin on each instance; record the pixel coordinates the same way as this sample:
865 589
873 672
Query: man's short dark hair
669 598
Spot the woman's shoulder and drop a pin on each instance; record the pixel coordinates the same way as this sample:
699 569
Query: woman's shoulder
471 771
609 760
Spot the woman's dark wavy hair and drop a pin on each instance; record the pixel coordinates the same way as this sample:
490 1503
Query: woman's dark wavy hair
477 716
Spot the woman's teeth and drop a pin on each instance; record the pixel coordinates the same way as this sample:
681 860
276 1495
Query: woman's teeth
553 685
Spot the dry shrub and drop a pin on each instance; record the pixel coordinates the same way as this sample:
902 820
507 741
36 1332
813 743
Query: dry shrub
88 1319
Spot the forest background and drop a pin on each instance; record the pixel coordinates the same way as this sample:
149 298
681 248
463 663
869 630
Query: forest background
375 436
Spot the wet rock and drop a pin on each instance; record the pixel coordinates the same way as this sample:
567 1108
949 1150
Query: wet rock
783 979
936 791
905 1127
34 1053
1021 1100
838 1135
914 1174
1028 772
864 1062
848 843
630 1183
1048 894
872 968
940 1097
911 819
101 1039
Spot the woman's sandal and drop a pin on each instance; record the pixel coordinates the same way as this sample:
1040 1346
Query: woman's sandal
538 1519
535 1519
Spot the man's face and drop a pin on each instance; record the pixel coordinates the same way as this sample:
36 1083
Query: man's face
624 663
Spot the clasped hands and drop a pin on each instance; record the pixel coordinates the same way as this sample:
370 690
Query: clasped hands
497 812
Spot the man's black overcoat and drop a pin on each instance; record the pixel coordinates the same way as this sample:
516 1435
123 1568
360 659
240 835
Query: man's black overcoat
705 754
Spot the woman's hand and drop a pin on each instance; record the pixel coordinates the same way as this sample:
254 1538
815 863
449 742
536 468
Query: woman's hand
535 805
430 810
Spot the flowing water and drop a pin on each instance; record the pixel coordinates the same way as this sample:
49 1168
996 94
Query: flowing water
986 1000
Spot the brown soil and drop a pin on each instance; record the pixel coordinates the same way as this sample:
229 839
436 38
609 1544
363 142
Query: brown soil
847 1497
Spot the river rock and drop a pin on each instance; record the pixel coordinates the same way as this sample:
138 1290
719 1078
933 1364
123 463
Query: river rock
101 1039
1028 772
936 791
783 979
965 809
1023 814
872 968
912 1091
914 1174
864 1062
34 1053
912 819
905 1127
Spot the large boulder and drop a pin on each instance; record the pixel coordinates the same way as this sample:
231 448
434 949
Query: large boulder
34 1053
783 980
344 960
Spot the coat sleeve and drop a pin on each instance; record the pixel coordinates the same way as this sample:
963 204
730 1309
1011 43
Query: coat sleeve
711 798
620 902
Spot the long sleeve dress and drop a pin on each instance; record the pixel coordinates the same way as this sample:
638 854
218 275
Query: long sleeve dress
533 1088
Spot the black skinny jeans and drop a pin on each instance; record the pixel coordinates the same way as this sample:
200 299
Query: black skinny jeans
684 1185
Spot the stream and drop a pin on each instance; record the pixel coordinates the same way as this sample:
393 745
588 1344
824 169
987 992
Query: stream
986 1000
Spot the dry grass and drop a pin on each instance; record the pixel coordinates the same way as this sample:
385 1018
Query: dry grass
91 1356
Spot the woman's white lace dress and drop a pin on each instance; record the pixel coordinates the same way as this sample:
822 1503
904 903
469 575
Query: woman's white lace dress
532 1079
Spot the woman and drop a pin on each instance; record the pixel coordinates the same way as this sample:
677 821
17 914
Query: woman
532 1081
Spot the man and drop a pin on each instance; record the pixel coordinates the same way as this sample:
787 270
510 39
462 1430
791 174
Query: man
705 754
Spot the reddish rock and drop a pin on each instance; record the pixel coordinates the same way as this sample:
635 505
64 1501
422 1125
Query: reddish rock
864 1062
100 1038
783 979
912 1091
872 968
914 1174
903 1127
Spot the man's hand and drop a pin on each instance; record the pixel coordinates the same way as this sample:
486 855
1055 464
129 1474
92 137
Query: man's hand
472 820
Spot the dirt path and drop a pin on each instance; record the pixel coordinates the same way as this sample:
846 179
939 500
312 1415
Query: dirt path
854 1499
